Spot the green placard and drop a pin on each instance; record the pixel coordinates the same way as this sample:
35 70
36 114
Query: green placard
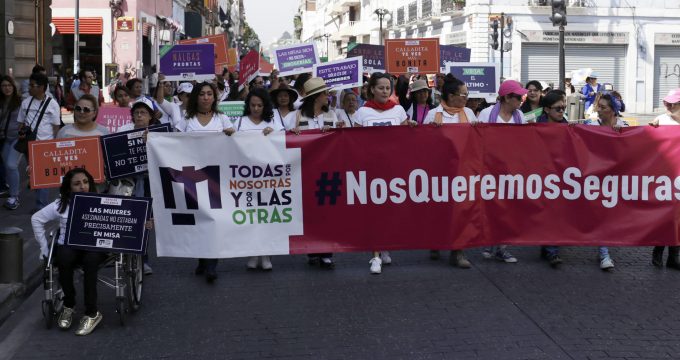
534 114
233 109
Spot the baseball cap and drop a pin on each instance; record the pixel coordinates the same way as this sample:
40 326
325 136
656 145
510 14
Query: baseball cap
144 101
185 88
673 96
511 87
419 85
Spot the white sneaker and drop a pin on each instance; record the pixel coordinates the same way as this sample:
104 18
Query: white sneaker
487 253
376 265
252 262
385 257
606 263
266 263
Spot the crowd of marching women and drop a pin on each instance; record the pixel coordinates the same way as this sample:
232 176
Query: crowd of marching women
292 103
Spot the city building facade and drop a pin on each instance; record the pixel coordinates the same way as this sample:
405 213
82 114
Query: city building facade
634 45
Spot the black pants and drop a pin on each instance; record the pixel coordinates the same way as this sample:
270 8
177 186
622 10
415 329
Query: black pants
320 255
208 265
67 260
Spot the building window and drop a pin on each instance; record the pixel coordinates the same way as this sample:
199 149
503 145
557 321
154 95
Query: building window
412 11
448 5
426 8
400 16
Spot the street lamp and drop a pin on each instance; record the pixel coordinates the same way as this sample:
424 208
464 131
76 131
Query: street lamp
326 35
381 14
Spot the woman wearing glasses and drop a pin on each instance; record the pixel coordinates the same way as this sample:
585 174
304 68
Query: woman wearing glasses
452 110
554 105
84 120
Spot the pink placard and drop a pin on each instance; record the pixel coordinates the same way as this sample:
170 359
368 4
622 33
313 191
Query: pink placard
113 117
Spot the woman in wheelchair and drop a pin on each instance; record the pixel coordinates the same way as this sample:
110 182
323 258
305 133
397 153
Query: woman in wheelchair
67 259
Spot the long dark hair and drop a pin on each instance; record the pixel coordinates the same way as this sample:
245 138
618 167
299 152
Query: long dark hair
307 107
65 188
15 98
373 81
401 89
268 107
451 86
192 105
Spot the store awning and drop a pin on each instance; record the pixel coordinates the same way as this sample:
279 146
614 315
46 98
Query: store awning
86 25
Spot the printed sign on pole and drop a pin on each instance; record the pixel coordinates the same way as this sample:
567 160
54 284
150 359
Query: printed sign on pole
51 159
412 56
296 59
220 41
373 56
451 53
108 223
233 109
188 62
341 74
481 79
249 68
113 117
125 152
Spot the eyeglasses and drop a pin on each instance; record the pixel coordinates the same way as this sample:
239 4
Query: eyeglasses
82 109
558 108
515 96
464 95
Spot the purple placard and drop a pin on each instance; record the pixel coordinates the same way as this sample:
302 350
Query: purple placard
373 55
188 62
341 74
296 59
450 53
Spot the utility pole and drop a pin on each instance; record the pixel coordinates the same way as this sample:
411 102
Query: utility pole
501 44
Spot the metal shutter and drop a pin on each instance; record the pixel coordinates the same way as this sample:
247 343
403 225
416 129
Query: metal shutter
666 73
540 62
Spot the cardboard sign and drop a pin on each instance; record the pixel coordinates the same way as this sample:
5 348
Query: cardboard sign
220 42
113 117
412 56
232 59
341 74
481 79
296 59
249 68
108 223
188 62
265 67
233 109
125 152
450 53
51 159
373 56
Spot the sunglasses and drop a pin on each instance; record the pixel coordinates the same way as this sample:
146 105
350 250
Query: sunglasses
83 109
464 95
559 108
515 96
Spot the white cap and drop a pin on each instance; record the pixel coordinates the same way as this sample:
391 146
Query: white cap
146 101
185 87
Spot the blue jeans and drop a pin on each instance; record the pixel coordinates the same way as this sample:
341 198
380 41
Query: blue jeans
10 159
554 250
42 198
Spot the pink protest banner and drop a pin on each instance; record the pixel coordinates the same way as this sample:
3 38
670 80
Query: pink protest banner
249 68
113 117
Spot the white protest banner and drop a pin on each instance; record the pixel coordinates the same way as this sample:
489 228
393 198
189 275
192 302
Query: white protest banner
243 197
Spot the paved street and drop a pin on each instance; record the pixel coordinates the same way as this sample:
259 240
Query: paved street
417 309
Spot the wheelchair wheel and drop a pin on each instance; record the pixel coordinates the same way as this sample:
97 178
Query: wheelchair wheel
49 314
121 309
134 270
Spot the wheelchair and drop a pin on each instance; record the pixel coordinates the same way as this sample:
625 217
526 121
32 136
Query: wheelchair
127 281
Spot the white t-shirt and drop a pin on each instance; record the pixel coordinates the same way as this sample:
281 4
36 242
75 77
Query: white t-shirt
30 117
349 119
666 119
619 122
219 122
318 122
370 117
288 121
448 118
486 113
245 124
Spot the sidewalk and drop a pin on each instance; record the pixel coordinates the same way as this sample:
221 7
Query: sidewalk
11 294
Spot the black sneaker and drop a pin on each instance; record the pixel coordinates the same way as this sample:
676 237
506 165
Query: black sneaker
554 260
327 263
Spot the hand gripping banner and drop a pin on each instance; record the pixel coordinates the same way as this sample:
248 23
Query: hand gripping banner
398 188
